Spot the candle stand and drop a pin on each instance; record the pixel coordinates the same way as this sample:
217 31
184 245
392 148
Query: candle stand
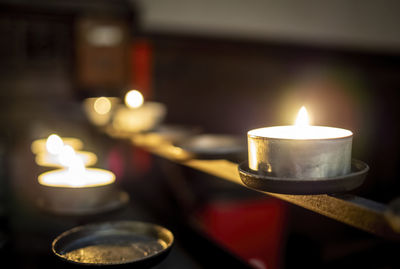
358 212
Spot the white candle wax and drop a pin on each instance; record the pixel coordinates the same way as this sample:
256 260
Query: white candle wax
301 132
89 177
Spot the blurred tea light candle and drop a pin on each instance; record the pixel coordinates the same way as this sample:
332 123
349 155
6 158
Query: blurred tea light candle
99 110
55 144
300 150
75 174
137 115
52 157
76 187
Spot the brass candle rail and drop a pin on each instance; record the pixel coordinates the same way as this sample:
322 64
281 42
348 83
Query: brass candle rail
352 210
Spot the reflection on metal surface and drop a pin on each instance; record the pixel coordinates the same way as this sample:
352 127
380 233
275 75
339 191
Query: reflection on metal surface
290 158
114 243
112 254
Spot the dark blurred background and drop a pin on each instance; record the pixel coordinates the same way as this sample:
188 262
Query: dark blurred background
227 66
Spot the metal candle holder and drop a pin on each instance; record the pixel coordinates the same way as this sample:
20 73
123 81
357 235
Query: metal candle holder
131 243
299 158
316 165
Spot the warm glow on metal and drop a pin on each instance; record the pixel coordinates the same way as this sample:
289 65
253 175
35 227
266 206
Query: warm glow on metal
134 99
302 118
54 144
102 105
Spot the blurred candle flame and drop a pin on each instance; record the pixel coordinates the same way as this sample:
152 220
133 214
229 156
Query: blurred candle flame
102 105
302 119
134 99
54 144
75 165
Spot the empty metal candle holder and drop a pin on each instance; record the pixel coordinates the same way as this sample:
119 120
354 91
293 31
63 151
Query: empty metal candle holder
132 243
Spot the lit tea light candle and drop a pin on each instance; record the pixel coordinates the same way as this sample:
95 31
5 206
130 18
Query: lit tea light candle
48 159
99 110
76 187
300 150
137 115
54 143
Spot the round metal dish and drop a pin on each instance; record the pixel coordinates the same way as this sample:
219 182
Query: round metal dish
132 243
270 183
213 146
116 201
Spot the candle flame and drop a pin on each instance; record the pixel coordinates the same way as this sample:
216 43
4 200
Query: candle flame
75 165
302 119
102 105
54 144
134 99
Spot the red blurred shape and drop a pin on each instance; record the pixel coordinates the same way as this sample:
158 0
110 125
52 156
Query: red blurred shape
115 162
142 66
252 229
141 161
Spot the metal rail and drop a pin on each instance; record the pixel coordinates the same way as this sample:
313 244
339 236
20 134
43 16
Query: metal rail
355 211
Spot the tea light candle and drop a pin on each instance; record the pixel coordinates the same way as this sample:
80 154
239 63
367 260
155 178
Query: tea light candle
53 160
137 115
300 150
54 143
99 110
75 187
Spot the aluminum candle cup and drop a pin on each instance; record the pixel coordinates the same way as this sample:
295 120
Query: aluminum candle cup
300 151
68 193
99 110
